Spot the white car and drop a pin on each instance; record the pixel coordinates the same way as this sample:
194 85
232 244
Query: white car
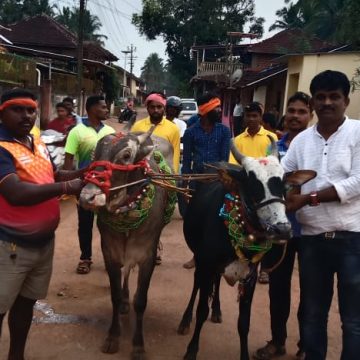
189 108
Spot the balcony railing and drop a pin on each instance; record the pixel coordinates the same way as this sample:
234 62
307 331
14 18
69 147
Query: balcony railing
212 68
17 70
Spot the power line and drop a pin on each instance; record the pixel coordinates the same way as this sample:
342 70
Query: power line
131 5
106 22
121 25
116 10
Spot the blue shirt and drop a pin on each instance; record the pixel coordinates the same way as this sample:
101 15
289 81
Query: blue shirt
283 148
193 120
201 147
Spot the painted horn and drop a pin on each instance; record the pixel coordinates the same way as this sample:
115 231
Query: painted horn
142 138
274 150
239 157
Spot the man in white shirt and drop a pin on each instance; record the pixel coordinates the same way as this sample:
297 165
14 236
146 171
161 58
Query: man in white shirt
328 211
238 126
172 111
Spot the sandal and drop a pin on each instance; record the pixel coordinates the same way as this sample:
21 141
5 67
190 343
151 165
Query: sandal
84 267
263 277
269 351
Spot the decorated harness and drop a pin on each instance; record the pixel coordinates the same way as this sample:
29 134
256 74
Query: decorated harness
136 210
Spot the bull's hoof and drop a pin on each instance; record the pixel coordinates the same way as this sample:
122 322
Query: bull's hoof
111 345
183 329
124 308
216 317
138 353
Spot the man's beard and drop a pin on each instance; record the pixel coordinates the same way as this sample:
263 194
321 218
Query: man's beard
156 117
214 116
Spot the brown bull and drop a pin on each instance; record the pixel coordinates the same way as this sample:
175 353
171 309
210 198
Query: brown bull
130 221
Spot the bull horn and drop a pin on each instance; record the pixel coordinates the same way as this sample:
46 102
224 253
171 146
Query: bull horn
147 149
274 150
143 137
239 157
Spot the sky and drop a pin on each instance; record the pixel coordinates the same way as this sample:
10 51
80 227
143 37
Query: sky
115 16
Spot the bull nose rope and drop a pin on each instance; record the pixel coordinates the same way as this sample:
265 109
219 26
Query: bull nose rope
101 178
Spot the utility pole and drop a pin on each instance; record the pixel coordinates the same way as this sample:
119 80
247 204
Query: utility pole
80 55
131 50
125 52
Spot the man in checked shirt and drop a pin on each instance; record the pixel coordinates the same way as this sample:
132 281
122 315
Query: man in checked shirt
206 142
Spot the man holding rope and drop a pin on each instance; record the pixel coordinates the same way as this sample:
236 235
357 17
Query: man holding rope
80 144
328 211
29 191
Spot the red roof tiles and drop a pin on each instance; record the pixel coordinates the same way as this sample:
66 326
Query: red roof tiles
289 41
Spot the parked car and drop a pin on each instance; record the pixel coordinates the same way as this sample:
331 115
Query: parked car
189 108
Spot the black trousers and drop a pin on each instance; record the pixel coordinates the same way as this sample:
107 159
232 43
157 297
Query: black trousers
280 295
85 227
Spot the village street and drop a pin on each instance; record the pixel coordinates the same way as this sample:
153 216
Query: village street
72 321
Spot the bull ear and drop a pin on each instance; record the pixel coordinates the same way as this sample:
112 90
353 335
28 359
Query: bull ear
299 177
142 137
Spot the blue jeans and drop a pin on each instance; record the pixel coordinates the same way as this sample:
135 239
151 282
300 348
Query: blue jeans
320 257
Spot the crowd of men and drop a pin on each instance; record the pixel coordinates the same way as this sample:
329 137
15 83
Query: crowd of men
323 212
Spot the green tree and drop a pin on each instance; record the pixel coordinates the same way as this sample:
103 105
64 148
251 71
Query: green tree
153 73
332 20
15 10
290 17
180 22
69 17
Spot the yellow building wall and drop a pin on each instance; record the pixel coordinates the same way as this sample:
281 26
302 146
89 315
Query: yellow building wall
307 66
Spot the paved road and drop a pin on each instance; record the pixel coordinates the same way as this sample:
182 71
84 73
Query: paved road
71 322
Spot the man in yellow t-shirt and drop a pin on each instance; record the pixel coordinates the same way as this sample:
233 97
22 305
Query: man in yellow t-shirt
254 141
155 104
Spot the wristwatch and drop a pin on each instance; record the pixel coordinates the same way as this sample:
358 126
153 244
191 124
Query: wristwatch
314 200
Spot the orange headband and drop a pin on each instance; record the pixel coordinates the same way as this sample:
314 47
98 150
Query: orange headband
211 105
20 102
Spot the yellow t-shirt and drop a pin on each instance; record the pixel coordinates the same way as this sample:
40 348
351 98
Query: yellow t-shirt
255 146
35 131
165 129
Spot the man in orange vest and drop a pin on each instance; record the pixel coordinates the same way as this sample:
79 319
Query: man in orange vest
29 191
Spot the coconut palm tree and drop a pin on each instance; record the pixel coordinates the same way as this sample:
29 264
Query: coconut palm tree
153 73
70 18
15 10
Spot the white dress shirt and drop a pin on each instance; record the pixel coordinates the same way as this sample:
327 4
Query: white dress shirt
337 163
